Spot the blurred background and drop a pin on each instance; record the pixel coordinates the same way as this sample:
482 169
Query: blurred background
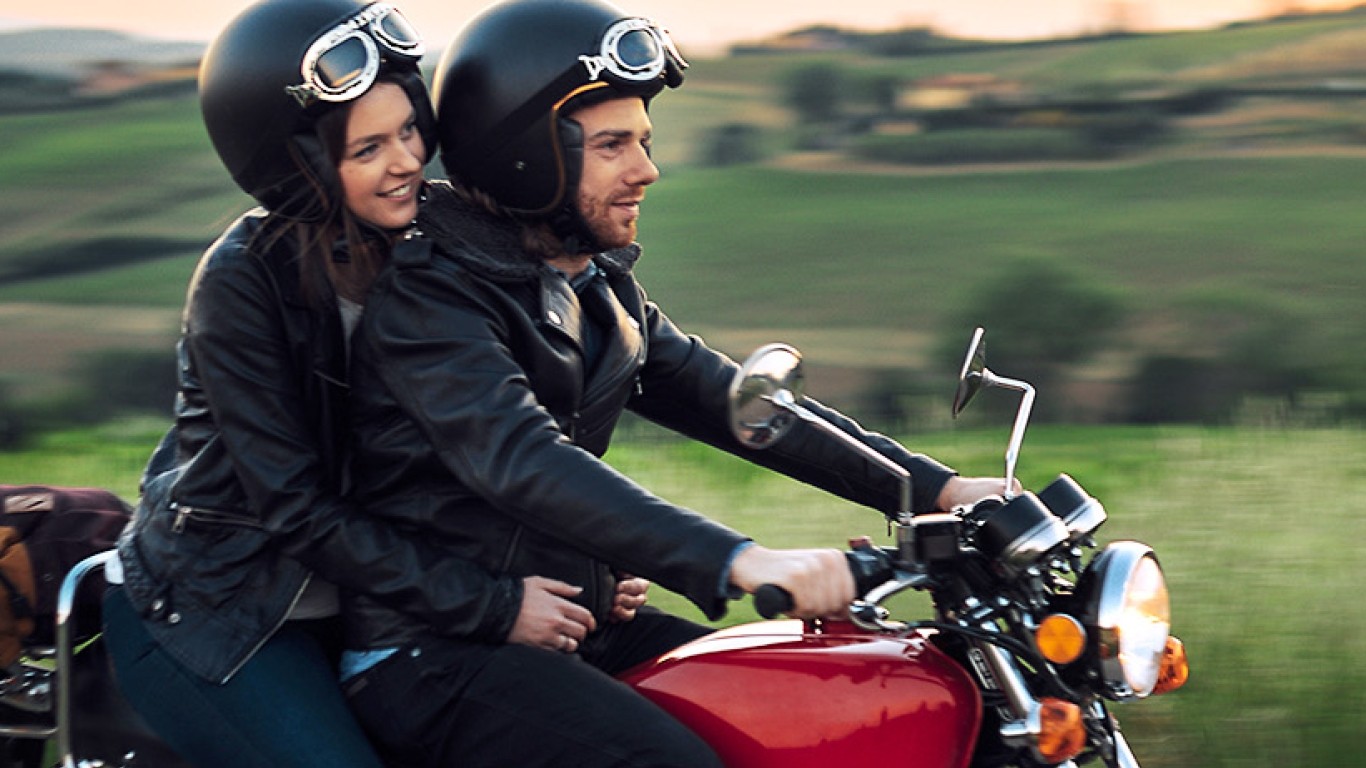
1155 209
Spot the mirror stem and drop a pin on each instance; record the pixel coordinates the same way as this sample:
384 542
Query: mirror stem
784 400
1021 422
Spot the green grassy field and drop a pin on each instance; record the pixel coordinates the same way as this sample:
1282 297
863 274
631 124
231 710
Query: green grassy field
1259 532
1245 215
866 270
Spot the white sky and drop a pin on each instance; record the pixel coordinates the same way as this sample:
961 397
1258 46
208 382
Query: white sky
709 25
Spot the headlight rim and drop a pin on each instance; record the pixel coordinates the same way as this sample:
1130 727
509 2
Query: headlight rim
1103 592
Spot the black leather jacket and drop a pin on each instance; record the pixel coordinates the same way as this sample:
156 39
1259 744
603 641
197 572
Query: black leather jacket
476 423
246 495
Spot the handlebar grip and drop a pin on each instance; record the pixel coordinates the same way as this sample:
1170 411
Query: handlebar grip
770 600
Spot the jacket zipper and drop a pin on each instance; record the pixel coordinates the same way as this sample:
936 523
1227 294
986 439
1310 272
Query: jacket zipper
185 513
308 576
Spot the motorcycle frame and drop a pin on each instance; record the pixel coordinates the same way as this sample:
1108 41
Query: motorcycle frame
66 603
118 736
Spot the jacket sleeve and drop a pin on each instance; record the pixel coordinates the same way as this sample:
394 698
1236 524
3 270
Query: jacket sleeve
441 346
686 387
235 332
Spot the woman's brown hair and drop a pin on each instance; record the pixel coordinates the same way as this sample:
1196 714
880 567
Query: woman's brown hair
337 254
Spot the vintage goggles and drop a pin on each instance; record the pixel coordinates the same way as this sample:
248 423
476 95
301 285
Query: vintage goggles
633 50
343 63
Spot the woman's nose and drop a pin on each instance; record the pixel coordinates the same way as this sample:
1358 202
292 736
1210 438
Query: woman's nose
407 159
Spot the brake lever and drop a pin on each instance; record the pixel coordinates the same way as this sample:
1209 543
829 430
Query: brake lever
878 578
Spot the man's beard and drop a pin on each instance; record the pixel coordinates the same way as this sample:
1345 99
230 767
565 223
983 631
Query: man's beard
598 214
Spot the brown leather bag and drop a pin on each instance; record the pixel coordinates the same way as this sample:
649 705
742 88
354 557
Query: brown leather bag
44 531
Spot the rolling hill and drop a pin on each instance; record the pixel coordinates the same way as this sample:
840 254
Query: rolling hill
1244 212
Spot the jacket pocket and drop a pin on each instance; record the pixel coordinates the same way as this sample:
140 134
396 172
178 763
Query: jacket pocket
184 515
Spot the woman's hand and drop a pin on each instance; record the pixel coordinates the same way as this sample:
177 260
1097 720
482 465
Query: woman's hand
548 618
630 596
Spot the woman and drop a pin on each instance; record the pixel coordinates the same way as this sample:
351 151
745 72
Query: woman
223 613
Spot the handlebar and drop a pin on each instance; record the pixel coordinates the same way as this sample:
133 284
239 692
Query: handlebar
770 600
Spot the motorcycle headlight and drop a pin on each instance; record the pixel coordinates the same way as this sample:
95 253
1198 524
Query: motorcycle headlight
1128 617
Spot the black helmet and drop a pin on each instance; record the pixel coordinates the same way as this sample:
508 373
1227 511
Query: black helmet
507 79
282 64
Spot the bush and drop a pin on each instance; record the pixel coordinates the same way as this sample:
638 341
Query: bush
1256 353
976 145
115 383
14 424
815 92
1114 131
1169 389
1040 318
730 144
30 92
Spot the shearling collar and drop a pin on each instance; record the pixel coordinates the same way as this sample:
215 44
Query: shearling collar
493 244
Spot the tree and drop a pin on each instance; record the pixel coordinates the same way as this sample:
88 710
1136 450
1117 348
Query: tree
814 92
1040 318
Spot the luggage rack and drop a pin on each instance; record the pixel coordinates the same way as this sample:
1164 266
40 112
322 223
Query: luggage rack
64 696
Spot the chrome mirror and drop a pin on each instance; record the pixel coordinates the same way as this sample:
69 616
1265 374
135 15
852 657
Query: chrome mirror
765 402
974 375
970 376
762 393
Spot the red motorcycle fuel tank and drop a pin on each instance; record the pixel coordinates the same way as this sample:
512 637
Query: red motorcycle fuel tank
785 693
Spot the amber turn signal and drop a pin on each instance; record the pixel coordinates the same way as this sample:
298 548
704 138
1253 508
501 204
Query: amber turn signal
1062 735
1175 669
1060 638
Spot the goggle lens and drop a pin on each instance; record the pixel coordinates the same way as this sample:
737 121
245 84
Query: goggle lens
396 31
342 65
638 50
634 50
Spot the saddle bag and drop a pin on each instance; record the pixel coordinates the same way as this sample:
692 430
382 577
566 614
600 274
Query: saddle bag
44 531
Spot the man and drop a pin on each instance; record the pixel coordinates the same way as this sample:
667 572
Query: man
496 356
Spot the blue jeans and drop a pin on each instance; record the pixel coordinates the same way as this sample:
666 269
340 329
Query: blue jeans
283 709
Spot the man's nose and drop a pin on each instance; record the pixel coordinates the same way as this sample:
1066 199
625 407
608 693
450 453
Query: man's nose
644 170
